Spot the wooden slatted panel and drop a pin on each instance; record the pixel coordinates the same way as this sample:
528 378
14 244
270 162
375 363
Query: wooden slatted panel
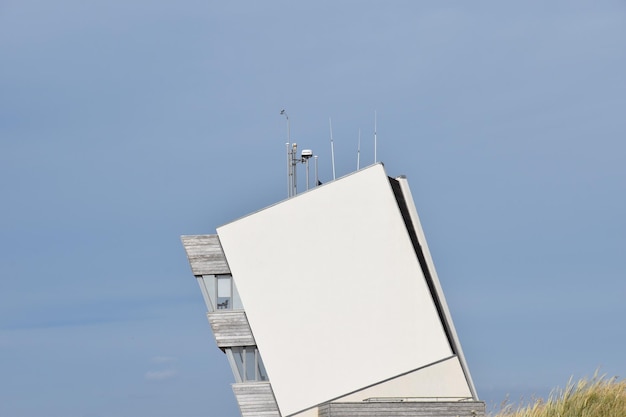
205 255
403 409
231 328
256 399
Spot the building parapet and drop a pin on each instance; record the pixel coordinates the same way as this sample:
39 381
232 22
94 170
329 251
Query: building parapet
404 409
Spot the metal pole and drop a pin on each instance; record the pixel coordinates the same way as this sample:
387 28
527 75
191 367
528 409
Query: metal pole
289 141
317 181
294 152
307 174
375 139
288 170
332 146
358 153
289 176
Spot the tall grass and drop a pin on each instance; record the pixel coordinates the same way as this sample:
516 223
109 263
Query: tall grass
596 397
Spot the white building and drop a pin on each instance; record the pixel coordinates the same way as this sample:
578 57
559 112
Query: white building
336 291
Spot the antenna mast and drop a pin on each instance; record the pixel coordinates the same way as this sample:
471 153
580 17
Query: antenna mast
290 181
292 162
375 139
332 146
358 152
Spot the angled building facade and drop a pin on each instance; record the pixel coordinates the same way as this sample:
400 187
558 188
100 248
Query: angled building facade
328 304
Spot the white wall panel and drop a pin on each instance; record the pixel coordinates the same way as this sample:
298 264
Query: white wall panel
333 291
444 380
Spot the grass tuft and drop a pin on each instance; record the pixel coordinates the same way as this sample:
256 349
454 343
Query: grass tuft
595 397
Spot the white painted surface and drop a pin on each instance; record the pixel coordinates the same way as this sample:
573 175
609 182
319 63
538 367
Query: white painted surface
436 382
311 412
333 291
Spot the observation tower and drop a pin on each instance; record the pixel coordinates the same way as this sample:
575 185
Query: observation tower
328 304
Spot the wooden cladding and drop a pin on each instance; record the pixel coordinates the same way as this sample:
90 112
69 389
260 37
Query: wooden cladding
256 399
231 328
404 409
205 254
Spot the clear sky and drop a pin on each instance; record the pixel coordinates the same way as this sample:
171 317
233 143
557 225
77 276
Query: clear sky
125 124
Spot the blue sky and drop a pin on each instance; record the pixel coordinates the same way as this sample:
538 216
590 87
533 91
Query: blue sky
125 124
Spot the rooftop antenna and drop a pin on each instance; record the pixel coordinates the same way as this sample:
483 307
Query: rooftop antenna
306 155
358 152
332 146
293 159
289 156
294 163
375 139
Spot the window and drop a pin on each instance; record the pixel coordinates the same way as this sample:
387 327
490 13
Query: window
224 292
238 356
248 365
251 364
220 292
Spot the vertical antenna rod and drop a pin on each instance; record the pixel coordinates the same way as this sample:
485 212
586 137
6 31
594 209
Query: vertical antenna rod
332 146
294 161
375 139
306 155
288 169
317 180
358 152
289 158
307 174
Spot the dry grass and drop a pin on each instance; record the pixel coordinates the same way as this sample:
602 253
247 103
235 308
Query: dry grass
596 397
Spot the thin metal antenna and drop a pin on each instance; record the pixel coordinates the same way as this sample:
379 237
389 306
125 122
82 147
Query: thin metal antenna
294 161
288 169
317 180
306 163
375 139
332 146
358 152
289 158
